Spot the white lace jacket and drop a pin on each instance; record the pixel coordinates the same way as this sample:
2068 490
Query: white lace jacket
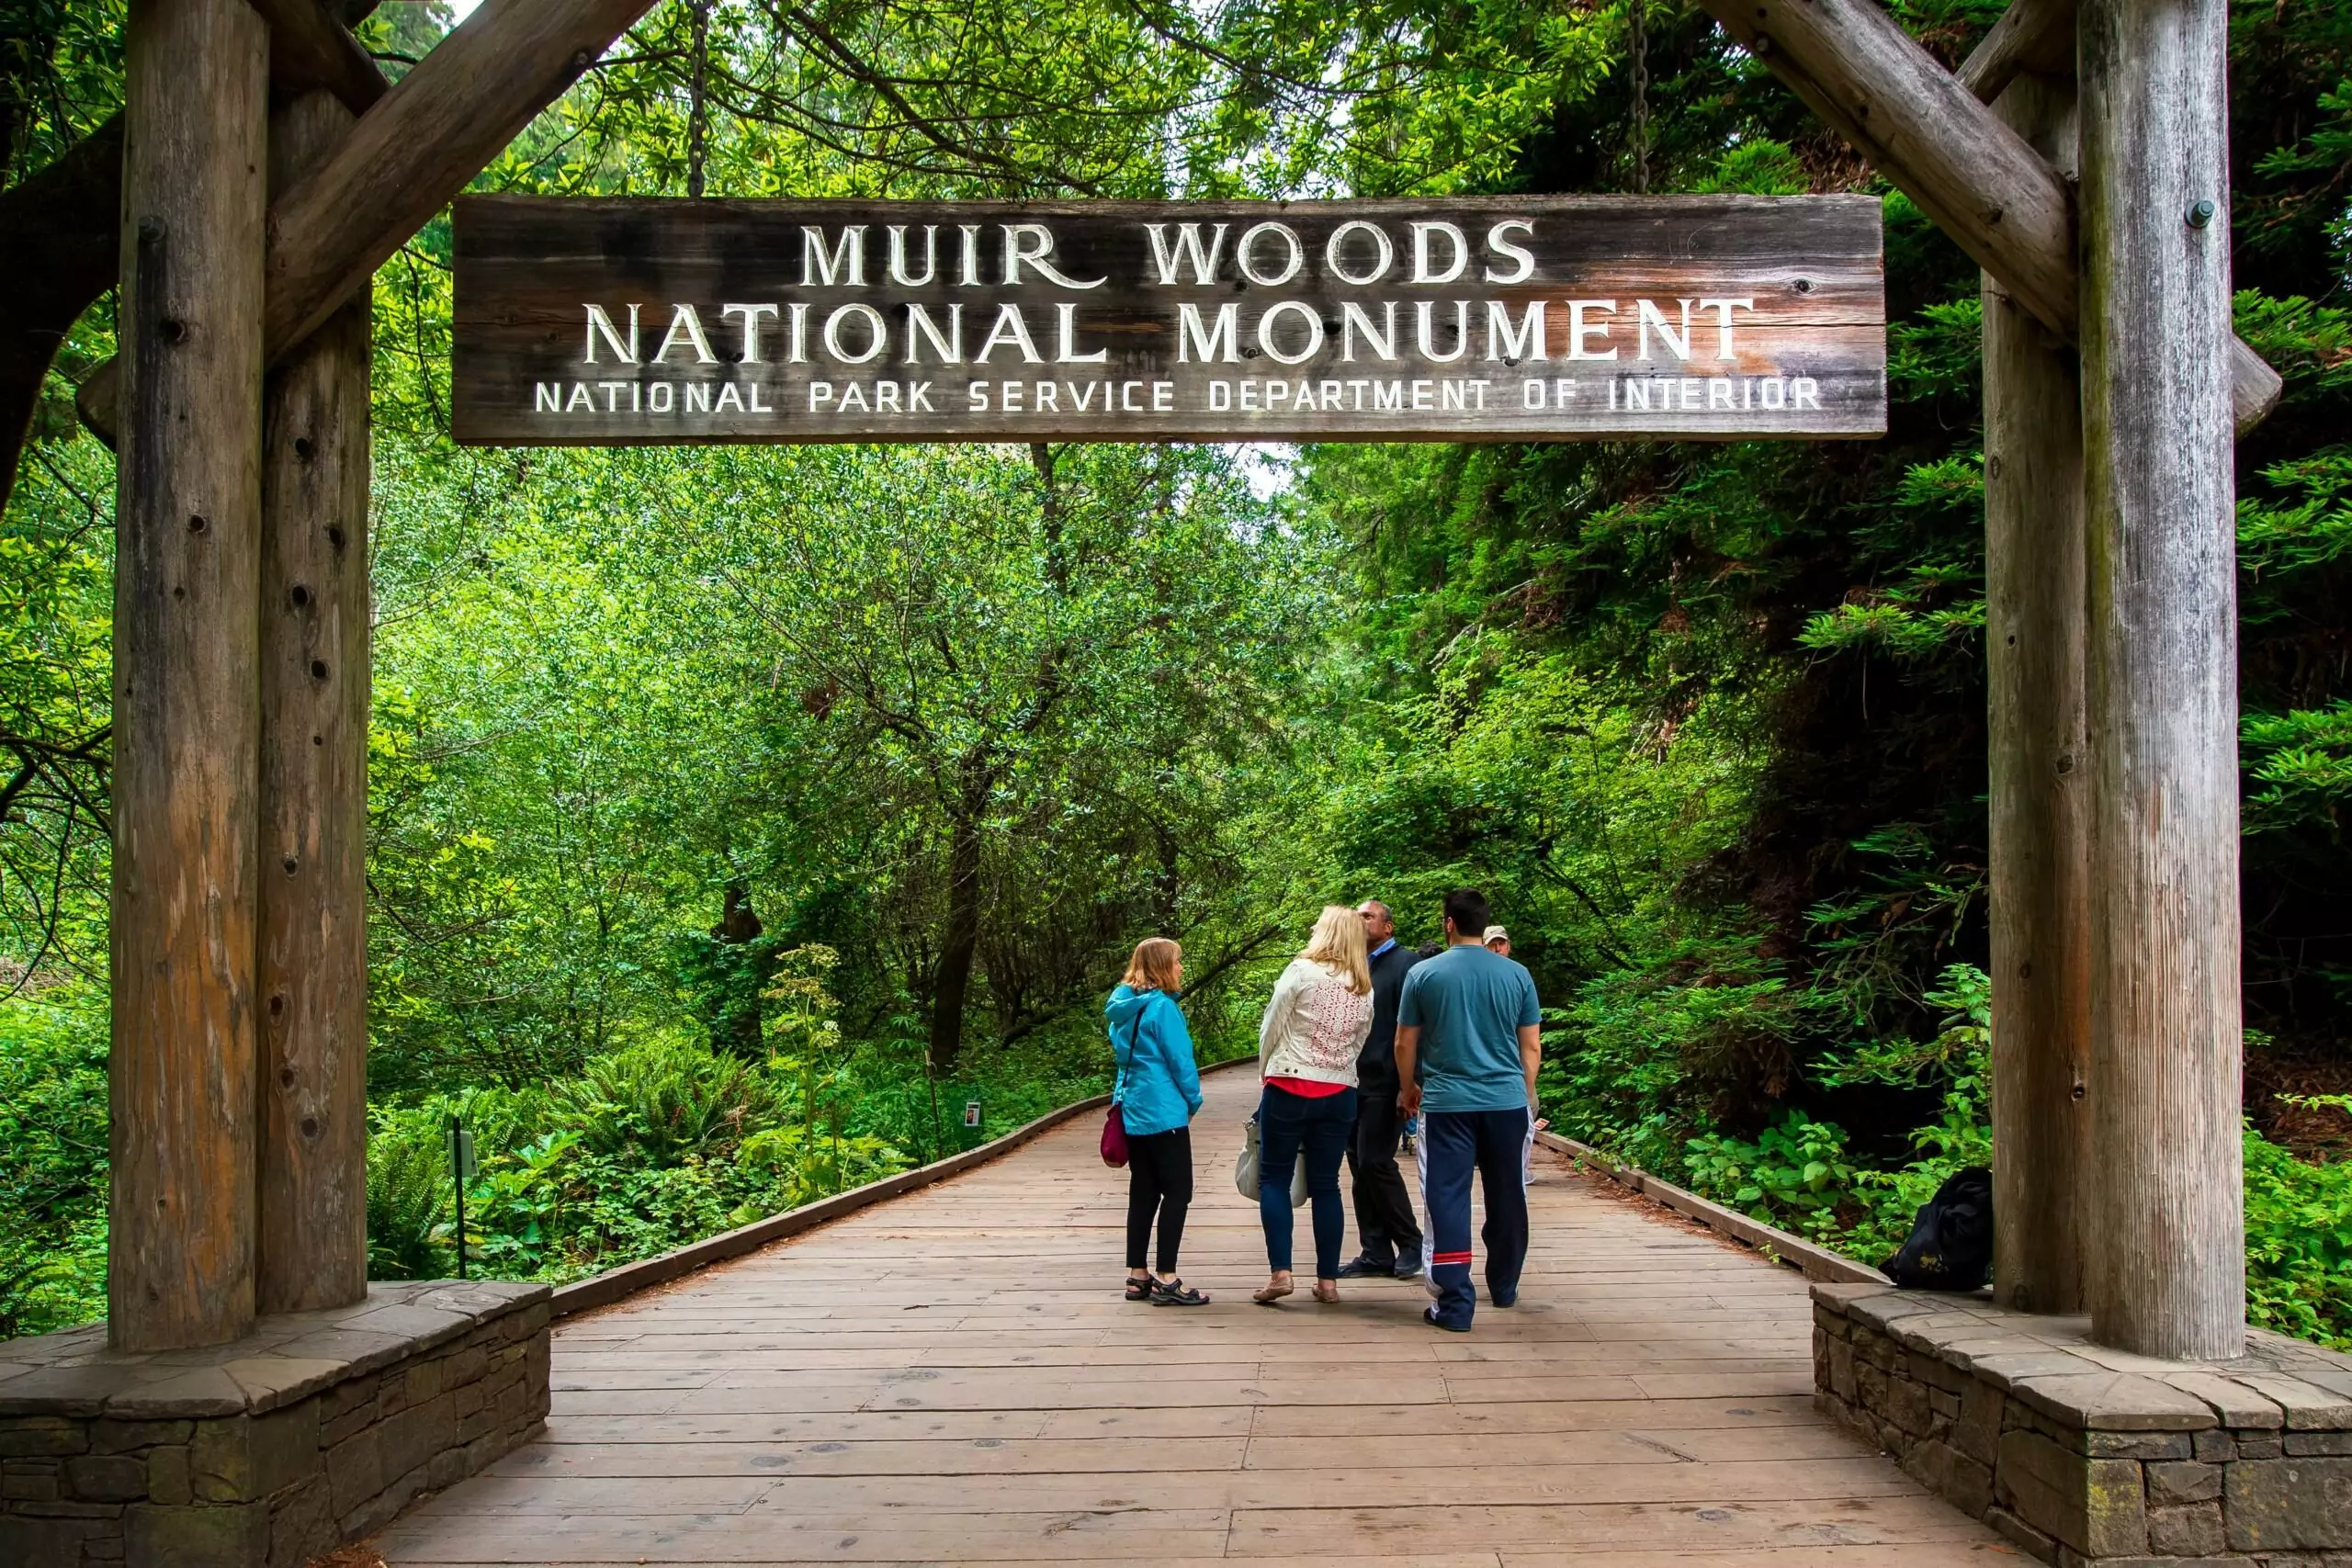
1314 1027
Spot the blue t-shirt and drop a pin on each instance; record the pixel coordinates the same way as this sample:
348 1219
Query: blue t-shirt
1470 1003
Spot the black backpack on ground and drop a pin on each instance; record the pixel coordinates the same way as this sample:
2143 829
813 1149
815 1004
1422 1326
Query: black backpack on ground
1952 1241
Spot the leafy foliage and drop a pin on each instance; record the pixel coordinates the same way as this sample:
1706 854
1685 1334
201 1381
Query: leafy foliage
735 815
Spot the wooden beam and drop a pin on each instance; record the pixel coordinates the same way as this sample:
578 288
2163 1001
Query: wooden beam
312 974
309 49
1854 66
2032 35
60 242
2165 1023
2038 755
434 131
180 1240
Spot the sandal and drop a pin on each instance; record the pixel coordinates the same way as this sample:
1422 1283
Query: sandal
1139 1289
1175 1293
1272 1292
1328 1291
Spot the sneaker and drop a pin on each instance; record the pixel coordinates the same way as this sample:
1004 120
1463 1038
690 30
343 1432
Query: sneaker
1364 1269
1506 1302
1430 1317
1409 1267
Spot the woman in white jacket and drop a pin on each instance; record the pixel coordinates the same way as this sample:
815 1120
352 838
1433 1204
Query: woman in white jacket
1314 1028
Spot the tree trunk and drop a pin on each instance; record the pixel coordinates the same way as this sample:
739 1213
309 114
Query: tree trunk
182 1089
314 682
739 976
2035 602
2165 1040
961 939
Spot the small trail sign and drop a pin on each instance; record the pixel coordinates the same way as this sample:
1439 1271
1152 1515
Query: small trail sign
639 321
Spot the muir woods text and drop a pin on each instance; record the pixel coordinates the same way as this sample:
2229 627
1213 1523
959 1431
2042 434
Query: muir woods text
625 322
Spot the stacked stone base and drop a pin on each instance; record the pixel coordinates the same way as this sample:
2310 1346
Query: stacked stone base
2084 1455
311 1433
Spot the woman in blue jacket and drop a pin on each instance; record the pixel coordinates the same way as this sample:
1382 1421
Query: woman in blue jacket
1158 1093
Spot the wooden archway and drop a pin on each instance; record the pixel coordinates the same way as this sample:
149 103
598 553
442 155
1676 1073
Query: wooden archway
241 693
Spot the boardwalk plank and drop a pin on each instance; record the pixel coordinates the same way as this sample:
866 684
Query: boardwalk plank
951 1377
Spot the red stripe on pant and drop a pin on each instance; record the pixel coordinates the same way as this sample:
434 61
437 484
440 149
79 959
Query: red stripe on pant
1450 1258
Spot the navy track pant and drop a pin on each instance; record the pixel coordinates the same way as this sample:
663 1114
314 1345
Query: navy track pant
1493 1143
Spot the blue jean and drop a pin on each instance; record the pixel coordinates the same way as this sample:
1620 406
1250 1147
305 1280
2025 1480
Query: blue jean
1287 1124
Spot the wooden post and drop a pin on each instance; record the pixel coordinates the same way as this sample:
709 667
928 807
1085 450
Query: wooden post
2168 1211
314 619
180 1245
2039 775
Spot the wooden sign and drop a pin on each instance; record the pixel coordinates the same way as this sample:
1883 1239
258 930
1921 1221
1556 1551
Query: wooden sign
632 322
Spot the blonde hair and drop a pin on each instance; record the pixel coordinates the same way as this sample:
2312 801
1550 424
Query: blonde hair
1338 943
1153 968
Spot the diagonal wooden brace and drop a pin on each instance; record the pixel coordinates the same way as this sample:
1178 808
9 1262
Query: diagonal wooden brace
438 128
1923 128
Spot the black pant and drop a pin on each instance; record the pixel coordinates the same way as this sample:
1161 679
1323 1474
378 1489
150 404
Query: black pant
1384 1222
1160 1180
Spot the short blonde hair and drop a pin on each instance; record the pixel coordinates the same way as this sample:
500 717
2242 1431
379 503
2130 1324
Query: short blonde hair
1153 965
1338 941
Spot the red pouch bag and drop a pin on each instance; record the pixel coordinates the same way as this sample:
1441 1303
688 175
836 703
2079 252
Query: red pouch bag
1114 1140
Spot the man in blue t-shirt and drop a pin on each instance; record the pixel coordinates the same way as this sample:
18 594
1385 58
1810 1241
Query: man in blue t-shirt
1467 1046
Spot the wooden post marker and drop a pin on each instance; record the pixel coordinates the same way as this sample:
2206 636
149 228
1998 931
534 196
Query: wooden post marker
315 661
2038 774
180 1245
2165 1023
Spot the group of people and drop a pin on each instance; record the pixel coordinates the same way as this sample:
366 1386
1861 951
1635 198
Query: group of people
1360 1036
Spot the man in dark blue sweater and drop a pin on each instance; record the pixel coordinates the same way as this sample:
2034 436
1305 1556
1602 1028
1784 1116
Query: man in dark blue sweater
1390 1238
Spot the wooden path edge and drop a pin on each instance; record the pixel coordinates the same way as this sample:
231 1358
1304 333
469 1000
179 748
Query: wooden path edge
1815 1262
617 1284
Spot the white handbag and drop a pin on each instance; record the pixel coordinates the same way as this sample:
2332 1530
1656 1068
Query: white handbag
1245 1169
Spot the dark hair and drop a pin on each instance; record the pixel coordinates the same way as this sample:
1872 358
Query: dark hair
1466 907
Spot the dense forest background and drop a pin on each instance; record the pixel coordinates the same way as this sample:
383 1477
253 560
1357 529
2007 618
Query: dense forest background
738 816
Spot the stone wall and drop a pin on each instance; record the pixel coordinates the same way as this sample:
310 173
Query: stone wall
311 1433
2082 1454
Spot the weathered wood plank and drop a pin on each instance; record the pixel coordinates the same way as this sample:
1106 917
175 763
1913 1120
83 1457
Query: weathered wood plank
2038 753
1102 1447
628 321
180 1238
2170 1277
315 620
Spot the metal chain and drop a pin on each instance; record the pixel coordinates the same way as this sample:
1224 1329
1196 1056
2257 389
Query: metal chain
698 99
1641 51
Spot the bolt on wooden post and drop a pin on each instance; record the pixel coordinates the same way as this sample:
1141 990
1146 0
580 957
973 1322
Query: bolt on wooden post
180 1244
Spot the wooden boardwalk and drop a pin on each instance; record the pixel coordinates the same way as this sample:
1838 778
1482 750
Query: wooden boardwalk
952 1377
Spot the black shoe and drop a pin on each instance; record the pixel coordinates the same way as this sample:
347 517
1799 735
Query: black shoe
1504 1302
1409 1267
1365 1268
1430 1317
1176 1293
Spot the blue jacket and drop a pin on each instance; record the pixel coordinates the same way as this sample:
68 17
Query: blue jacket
1158 1088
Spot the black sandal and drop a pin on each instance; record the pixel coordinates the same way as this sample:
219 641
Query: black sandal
1139 1289
1175 1293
